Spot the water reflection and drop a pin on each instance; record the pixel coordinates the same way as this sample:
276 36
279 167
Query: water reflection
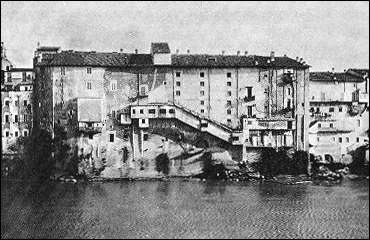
178 209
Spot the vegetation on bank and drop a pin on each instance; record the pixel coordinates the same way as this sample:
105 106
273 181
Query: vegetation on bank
32 159
272 163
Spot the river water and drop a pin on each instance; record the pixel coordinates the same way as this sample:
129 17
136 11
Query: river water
184 209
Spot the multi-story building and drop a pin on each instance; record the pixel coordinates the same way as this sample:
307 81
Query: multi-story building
242 103
16 102
339 113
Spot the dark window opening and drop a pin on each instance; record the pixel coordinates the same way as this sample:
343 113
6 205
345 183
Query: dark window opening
201 74
111 137
16 118
6 118
6 134
250 111
290 124
201 93
25 103
331 109
141 111
340 139
89 124
228 111
249 92
133 111
89 70
171 111
16 134
319 125
202 84
204 124
90 136
202 110
177 93
152 111
202 102
358 139
235 138
7 103
178 74
331 125
146 136
162 111
229 84
228 103
228 74
229 93
143 121
340 109
178 84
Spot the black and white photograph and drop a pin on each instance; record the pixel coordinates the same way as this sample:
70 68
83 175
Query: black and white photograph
180 120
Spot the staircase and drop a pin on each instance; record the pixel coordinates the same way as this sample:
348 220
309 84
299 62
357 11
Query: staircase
187 116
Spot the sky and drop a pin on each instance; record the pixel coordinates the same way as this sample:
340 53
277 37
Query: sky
324 34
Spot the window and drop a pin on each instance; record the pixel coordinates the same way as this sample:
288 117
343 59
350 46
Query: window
113 85
229 121
111 137
331 109
171 110
229 84
290 124
133 111
164 83
152 111
88 85
178 84
249 92
178 74
7 103
340 139
6 133
202 110
331 125
202 102
202 84
15 118
7 118
340 109
201 93
228 75
145 136
23 76
289 91
357 139
90 136
162 111
88 70
229 93
319 125
312 109
177 93
62 71
347 139
24 118
317 109
228 103
358 122
318 139
25 103
201 74
16 133
249 113
228 111
141 111
143 121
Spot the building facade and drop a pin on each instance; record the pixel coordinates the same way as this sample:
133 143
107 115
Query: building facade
131 101
339 111
16 102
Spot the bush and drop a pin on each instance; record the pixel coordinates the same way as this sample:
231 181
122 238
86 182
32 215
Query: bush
162 163
358 165
210 170
34 156
272 163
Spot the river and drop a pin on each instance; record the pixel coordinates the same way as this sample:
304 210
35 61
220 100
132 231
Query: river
184 209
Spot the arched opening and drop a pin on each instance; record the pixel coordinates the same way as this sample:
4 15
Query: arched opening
328 158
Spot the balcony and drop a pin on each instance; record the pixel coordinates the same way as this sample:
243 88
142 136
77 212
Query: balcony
287 78
90 127
249 98
320 115
269 124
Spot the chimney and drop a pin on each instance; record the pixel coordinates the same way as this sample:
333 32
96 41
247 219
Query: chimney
121 50
246 53
300 60
38 44
332 69
284 55
136 51
223 52
188 51
297 58
238 53
272 56
177 51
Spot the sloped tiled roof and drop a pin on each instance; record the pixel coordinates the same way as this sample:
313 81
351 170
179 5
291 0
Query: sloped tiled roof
361 71
340 77
205 60
160 47
74 58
